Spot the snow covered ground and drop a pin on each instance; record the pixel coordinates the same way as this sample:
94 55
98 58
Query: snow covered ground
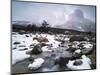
18 56
23 43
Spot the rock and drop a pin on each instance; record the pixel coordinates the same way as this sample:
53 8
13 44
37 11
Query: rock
77 62
62 59
92 39
88 46
77 38
28 52
87 51
71 49
53 55
22 45
81 45
31 59
76 56
63 45
46 49
23 49
36 49
32 46
44 44
16 43
26 35
41 39
21 32
35 42
14 48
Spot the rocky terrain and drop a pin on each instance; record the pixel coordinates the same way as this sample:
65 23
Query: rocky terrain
44 52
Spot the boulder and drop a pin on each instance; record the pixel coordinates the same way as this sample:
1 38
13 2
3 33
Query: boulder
16 43
77 38
26 35
41 39
87 48
71 49
87 51
81 45
61 61
23 49
77 62
36 49
44 44
76 56
63 58
31 59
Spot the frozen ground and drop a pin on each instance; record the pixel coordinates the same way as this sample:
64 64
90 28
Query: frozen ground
21 44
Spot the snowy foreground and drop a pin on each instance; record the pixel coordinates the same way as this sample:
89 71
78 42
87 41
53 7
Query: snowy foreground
22 44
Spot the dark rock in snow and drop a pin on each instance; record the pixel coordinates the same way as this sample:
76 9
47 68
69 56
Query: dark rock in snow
32 45
44 44
77 38
36 50
87 51
41 39
22 46
81 45
26 35
77 62
23 49
31 59
16 42
14 48
71 49
63 58
21 32
62 61
76 56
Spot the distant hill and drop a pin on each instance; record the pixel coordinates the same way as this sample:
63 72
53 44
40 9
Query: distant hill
75 26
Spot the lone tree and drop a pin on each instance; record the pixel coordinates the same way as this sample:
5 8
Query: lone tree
45 24
44 27
29 27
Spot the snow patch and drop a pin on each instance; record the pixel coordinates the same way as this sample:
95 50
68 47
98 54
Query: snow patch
78 51
37 63
88 46
85 65
18 56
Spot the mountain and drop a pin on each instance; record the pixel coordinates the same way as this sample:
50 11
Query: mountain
77 21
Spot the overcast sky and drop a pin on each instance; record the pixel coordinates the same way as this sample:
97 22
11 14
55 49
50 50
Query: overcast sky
53 13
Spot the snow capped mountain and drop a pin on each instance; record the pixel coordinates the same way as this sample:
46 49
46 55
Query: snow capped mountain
77 21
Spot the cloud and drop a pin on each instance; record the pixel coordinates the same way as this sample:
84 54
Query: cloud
77 21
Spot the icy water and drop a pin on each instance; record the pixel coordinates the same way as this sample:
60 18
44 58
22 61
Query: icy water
21 67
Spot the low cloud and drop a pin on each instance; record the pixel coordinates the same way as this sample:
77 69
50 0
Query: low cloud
77 21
